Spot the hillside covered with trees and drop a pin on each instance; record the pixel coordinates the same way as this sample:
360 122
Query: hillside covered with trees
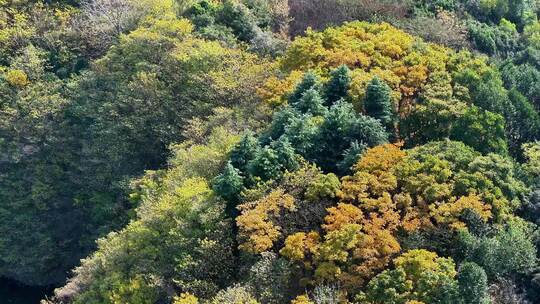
270 151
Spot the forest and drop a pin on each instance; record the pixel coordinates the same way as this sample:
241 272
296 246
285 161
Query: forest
269 151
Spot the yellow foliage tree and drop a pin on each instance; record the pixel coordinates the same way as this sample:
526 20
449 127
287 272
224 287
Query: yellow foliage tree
448 213
374 188
408 194
302 299
342 215
17 78
186 298
416 262
257 230
353 249
299 245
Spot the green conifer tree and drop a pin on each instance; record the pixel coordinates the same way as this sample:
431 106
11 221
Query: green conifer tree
338 86
244 151
378 103
281 120
266 165
229 185
288 159
351 157
310 81
312 103
340 127
473 284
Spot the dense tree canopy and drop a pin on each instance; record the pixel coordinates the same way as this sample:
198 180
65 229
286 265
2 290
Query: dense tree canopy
271 151
70 147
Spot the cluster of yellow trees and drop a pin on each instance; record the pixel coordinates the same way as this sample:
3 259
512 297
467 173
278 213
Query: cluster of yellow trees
411 67
391 192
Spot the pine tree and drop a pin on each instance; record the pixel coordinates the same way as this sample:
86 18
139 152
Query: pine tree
244 151
272 160
286 155
229 185
281 120
351 157
310 81
378 103
302 132
311 102
266 165
338 86
342 126
473 284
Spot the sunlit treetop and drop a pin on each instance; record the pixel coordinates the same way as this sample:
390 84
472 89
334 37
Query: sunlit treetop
422 77
410 66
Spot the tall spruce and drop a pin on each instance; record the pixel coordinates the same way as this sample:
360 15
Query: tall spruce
244 151
229 185
266 165
378 103
473 284
338 86
310 81
351 157
288 159
280 122
312 103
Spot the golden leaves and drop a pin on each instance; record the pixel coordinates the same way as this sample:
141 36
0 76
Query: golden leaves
342 215
374 175
302 299
17 78
275 90
299 245
256 227
450 212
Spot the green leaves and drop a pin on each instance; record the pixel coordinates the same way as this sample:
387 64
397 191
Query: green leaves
378 103
473 283
482 130
73 142
309 81
507 253
179 238
311 102
338 86
340 128
229 184
326 186
419 275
